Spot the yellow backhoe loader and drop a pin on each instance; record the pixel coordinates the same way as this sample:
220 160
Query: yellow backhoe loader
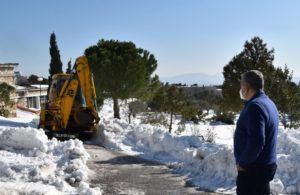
71 109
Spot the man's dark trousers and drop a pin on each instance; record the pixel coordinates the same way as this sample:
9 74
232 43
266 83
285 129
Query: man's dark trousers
255 181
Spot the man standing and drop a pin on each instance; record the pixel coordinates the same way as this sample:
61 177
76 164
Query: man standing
255 137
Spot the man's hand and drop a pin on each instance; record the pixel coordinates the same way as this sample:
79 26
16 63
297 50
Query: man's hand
239 168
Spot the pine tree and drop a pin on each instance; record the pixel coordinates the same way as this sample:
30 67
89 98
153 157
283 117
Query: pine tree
121 70
256 56
169 99
290 116
174 103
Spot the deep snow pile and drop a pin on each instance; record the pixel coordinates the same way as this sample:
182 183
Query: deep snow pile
209 166
288 158
32 164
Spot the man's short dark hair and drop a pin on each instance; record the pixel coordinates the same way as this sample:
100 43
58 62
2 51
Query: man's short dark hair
254 78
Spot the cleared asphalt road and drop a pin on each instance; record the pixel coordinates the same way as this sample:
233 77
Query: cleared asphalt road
120 174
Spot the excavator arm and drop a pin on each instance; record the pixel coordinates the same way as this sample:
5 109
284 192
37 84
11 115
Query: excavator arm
67 97
87 85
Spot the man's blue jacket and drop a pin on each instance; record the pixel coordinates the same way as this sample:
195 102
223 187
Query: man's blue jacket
255 136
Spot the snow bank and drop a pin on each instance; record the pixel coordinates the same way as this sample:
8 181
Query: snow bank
223 134
23 138
23 119
287 177
209 166
32 164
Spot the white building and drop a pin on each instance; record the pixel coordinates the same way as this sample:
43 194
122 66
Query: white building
31 96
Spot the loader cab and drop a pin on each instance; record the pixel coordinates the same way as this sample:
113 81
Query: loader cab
58 80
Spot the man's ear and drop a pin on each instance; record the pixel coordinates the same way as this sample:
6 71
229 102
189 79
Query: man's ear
247 89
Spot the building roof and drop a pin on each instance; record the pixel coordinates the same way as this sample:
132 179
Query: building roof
31 87
43 86
9 64
20 87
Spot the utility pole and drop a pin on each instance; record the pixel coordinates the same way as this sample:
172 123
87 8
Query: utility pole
40 79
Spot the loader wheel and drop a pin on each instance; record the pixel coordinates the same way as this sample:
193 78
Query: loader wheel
48 133
85 136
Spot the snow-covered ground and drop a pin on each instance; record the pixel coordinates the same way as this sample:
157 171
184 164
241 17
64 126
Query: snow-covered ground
32 164
208 165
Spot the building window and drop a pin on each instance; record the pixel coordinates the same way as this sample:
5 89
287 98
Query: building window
32 102
43 99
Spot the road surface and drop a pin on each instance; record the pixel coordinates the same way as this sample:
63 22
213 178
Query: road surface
119 174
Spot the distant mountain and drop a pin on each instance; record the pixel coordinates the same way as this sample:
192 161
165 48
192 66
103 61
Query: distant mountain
202 79
199 78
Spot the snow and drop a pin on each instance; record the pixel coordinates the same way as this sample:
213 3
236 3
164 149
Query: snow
209 166
32 164
23 119
22 138
223 134
288 161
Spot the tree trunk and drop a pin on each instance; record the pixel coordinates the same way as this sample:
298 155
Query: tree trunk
284 121
116 108
291 121
171 121
129 118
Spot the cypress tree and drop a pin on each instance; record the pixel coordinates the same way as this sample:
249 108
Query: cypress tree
55 63
69 69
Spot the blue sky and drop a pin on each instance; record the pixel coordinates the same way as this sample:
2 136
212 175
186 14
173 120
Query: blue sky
186 36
